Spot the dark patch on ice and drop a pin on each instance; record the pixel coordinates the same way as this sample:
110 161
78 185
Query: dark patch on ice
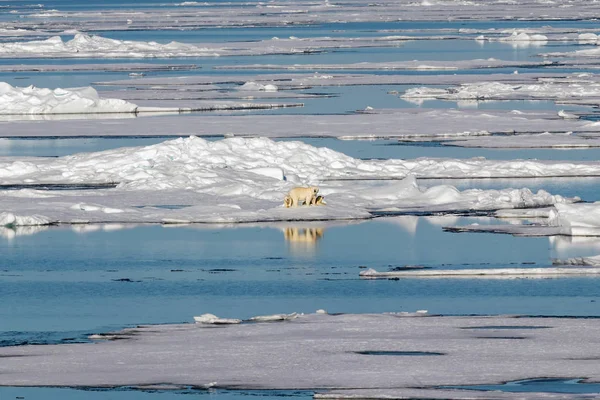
177 270
408 268
60 186
502 337
165 206
124 280
273 258
398 353
547 385
428 213
507 327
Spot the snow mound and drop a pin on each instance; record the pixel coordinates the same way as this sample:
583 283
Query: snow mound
88 46
254 86
9 220
32 100
212 319
189 180
274 317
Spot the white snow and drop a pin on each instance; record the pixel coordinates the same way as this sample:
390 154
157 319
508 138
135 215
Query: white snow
32 100
275 317
417 123
212 319
396 65
33 103
86 46
582 219
519 38
244 180
253 86
482 272
546 88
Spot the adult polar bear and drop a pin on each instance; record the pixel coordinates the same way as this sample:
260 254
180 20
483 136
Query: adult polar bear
306 194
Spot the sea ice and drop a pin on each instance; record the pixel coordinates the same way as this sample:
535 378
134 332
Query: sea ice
320 351
245 180
32 100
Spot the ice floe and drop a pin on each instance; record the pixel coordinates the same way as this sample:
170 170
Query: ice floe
578 86
352 351
32 100
245 180
86 46
306 80
250 14
415 124
95 46
593 261
482 272
582 219
212 319
66 103
398 65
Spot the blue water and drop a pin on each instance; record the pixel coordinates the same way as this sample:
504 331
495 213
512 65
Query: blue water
369 149
133 394
69 284
541 385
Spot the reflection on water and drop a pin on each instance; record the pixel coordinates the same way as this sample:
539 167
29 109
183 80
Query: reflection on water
302 240
9 233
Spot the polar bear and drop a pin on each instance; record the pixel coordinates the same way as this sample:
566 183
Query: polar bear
307 195
318 201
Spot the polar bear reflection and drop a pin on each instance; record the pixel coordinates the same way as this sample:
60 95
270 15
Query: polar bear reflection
302 239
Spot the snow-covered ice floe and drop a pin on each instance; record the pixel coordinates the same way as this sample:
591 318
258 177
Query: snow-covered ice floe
245 180
32 100
481 273
431 65
592 261
197 15
212 319
352 351
29 102
574 86
85 46
408 124
94 46
582 219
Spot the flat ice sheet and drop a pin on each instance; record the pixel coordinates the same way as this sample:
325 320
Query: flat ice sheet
303 80
401 123
200 14
320 351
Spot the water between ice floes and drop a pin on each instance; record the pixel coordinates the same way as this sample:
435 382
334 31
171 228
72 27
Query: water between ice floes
59 283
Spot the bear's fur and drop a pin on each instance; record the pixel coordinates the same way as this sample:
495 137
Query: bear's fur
306 195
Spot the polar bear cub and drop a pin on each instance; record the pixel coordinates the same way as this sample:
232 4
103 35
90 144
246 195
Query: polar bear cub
308 195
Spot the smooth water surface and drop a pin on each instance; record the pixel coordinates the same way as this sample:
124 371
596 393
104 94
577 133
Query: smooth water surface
63 283
43 393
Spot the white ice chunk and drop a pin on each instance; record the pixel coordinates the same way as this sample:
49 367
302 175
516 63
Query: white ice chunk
212 319
32 100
